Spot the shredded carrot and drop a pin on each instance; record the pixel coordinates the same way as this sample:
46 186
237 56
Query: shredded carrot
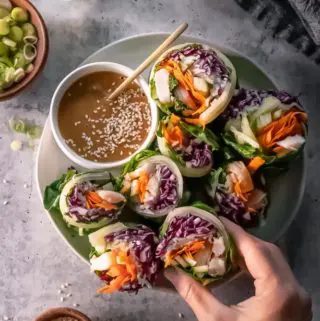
173 133
121 273
186 81
174 119
291 123
255 164
195 121
251 210
142 183
189 250
93 200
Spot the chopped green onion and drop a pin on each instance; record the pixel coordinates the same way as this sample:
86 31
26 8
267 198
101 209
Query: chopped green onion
23 127
16 34
34 132
4 27
9 43
19 14
19 60
6 61
19 74
3 49
9 76
10 21
18 126
29 29
29 51
16 145
3 12
29 68
6 4
30 39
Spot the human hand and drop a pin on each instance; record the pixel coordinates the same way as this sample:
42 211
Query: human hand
278 296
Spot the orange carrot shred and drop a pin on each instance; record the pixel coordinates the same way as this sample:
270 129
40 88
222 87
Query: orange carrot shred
255 164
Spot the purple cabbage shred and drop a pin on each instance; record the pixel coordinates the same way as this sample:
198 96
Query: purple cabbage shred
181 227
207 60
142 243
252 97
77 205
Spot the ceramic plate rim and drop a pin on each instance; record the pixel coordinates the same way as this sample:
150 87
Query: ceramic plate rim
224 48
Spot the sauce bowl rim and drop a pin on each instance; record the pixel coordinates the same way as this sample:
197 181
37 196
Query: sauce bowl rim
61 90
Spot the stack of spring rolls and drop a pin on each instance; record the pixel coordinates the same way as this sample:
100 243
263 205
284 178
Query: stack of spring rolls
213 137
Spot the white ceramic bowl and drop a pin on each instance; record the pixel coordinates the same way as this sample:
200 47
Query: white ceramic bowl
67 82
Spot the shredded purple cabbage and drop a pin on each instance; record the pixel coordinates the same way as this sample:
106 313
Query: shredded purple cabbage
77 205
181 227
168 190
142 243
233 208
252 97
207 60
198 154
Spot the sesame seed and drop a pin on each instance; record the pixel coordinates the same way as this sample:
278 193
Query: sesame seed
25 185
4 181
75 305
5 202
62 299
69 295
113 83
180 315
5 318
60 291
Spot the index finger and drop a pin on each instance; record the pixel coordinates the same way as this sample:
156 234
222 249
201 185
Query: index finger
257 258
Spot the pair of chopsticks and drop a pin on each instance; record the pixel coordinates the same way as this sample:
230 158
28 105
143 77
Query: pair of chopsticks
161 49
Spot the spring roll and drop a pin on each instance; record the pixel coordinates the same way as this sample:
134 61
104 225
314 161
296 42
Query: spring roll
193 81
268 124
196 241
124 257
235 192
190 146
153 184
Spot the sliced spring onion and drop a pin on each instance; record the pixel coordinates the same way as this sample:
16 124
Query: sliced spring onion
19 60
16 34
16 145
9 76
29 68
29 29
19 74
18 125
4 27
6 4
6 61
3 50
4 12
10 21
19 14
29 51
9 43
30 39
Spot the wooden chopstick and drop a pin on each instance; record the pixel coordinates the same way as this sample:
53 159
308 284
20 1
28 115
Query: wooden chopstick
177 33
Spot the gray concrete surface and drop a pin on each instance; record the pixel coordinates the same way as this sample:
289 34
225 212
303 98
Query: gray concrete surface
34 260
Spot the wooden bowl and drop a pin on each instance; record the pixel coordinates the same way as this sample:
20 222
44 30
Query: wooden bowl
55 313
42 47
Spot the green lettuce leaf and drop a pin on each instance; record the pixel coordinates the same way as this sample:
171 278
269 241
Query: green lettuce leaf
204 206
215 178
136 159
204 134
52 191
173 83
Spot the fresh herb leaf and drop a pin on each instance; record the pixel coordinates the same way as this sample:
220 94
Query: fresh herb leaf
246 150
204 134
179 107
53 191
175 157
135 160
215 178
204 206
173 83
153 90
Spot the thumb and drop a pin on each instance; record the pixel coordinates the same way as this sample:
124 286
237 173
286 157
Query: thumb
202 302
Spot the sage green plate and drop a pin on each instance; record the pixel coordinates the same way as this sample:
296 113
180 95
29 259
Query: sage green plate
285 189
